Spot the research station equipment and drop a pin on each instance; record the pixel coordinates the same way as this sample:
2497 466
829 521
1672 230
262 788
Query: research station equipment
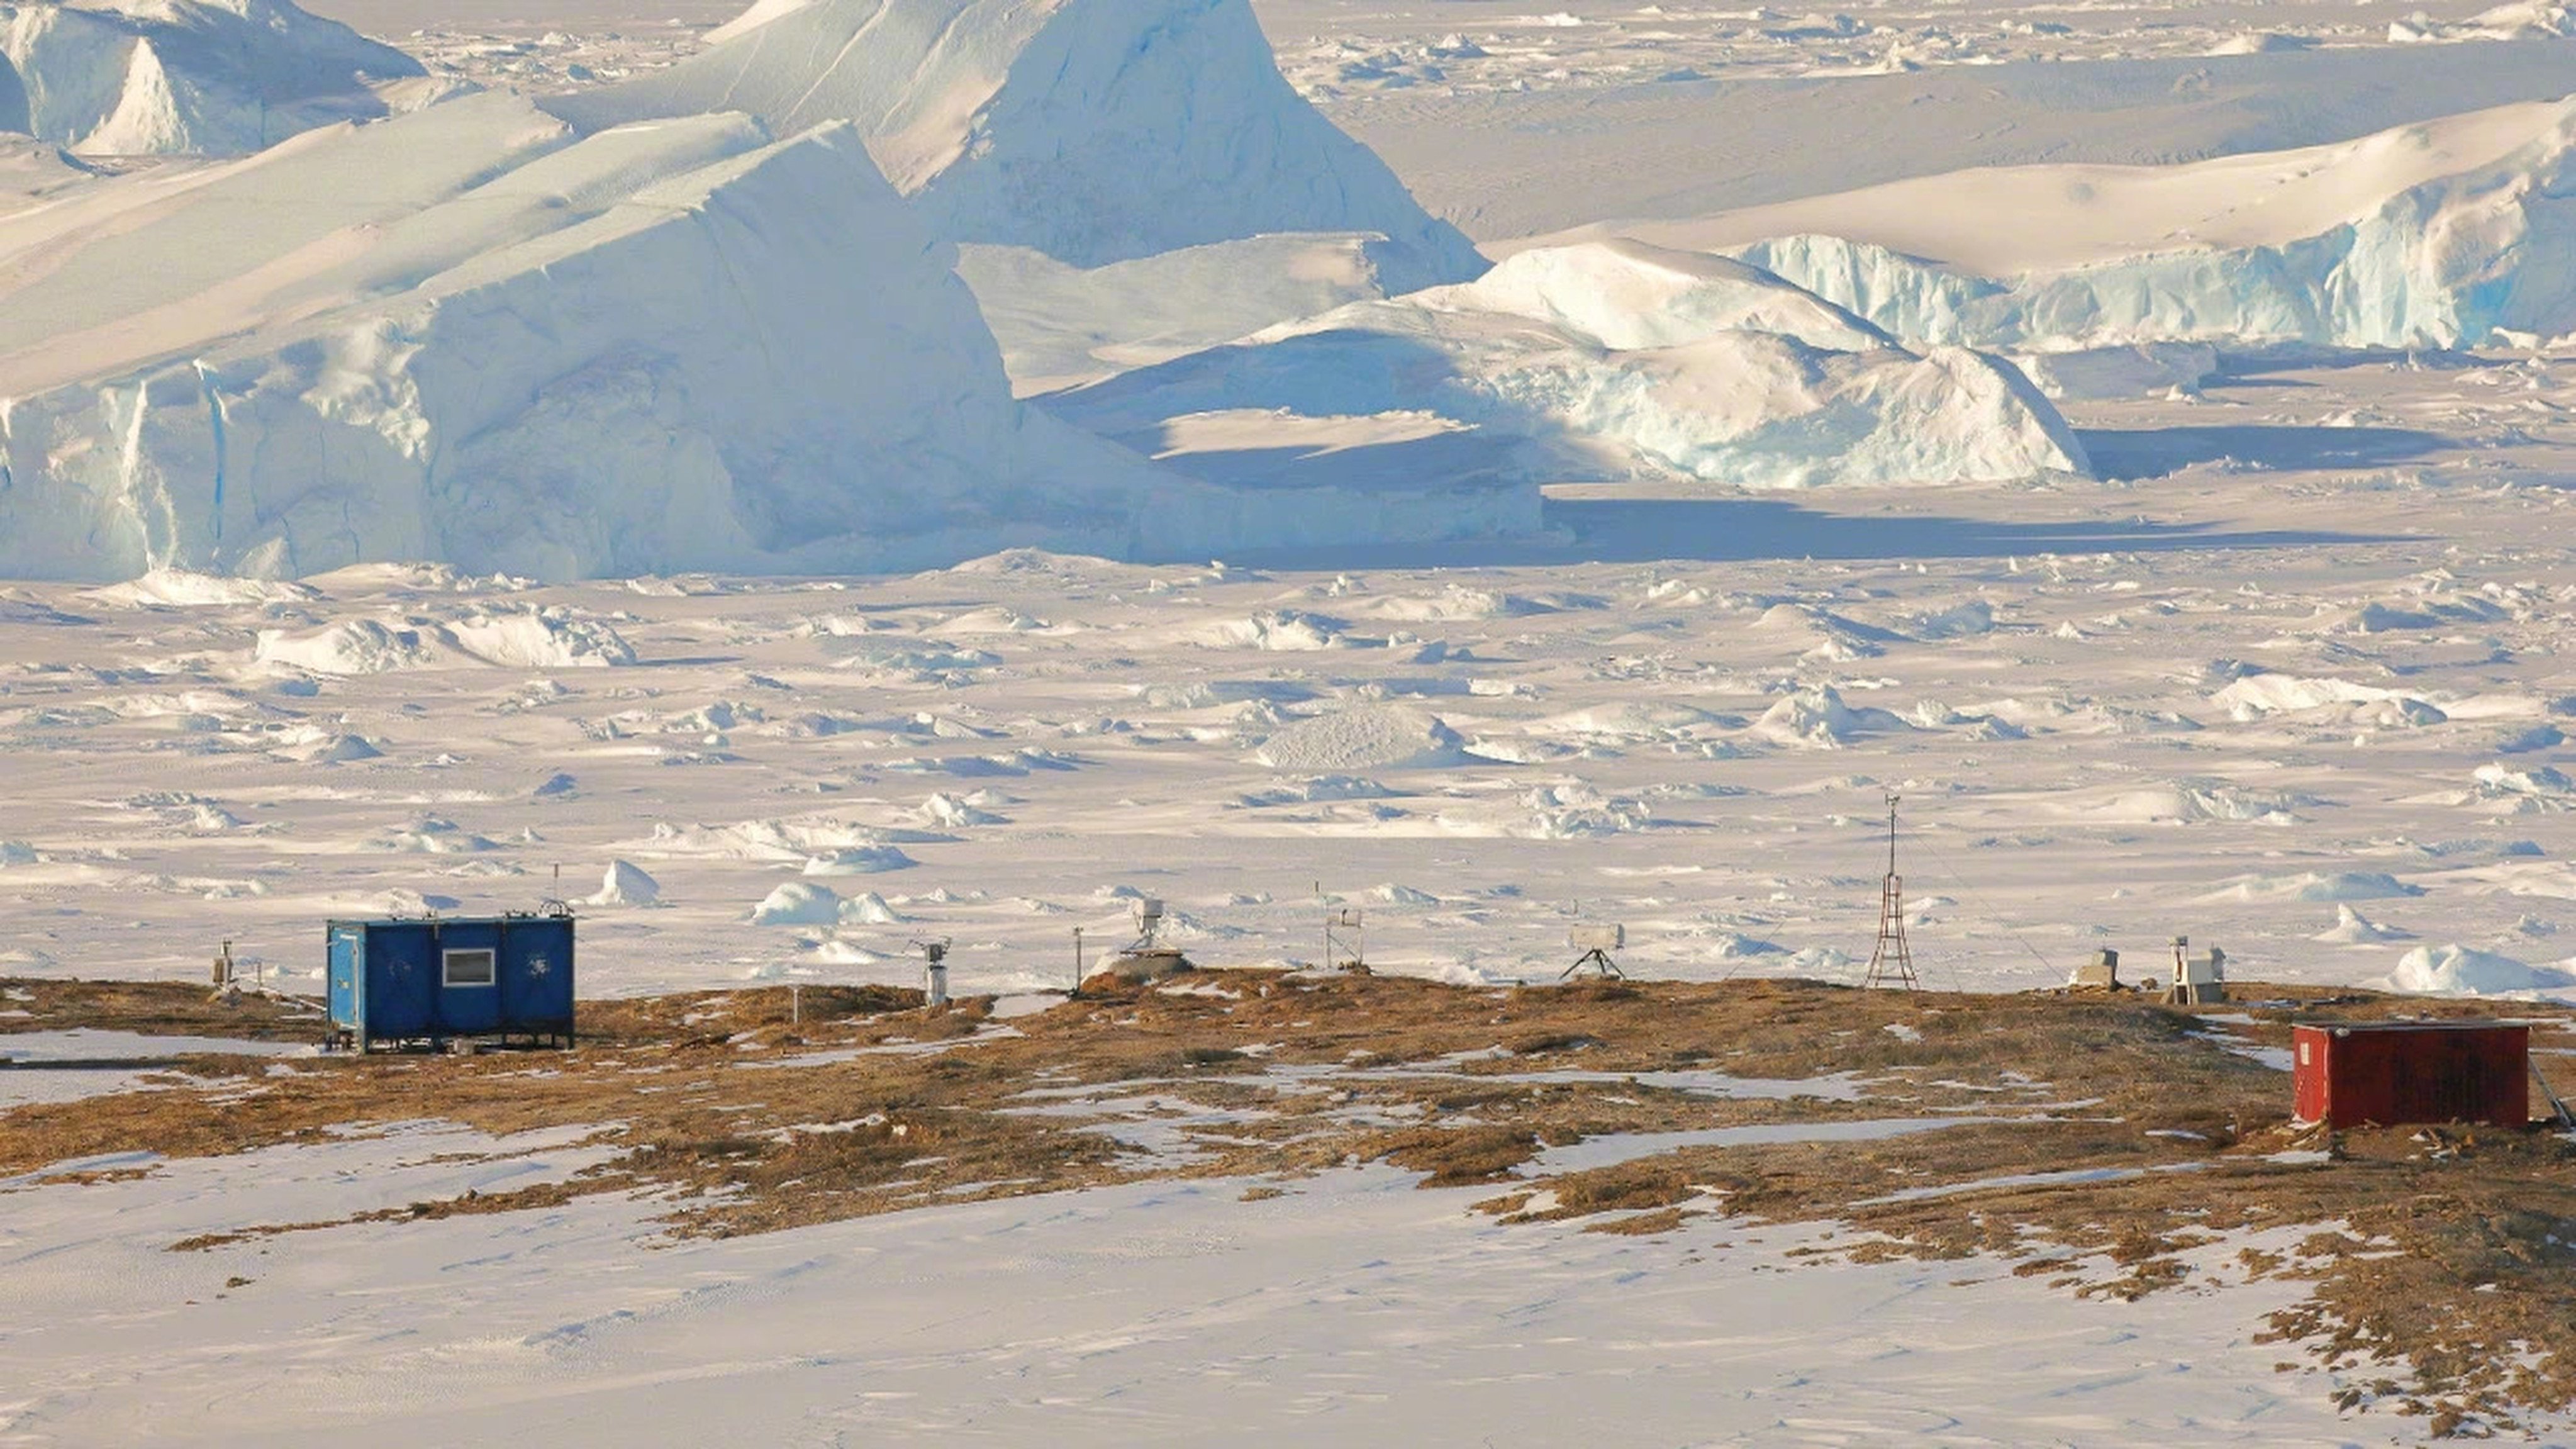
438 981
1596 942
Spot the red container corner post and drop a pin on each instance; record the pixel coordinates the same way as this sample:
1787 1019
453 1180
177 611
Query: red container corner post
2345 1074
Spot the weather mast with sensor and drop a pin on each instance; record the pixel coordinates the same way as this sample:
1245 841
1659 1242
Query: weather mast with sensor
1891 960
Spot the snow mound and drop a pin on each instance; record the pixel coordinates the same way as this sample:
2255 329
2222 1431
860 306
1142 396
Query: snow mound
2352 928
2323 886
2188 802
1816 633
2522 20
178 588
1022 123
1279 630
433 835
1317 790
314 745
2456 970
1531 366
401 902
1959 621
1819 719
1573 812
869 908
1459 603
2539 788
353 646
798 903
858 860
2338 702
768 841
949 812
625 885
1363 737
541 641
1632 723
517 641
136 77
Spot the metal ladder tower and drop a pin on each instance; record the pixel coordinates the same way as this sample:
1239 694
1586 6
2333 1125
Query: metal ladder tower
1891 961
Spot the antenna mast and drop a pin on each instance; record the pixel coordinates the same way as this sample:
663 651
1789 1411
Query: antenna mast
1891 961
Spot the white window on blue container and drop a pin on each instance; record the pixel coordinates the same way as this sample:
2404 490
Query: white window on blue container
467 968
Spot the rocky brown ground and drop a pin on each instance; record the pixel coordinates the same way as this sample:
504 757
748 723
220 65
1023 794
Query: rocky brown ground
2102 1141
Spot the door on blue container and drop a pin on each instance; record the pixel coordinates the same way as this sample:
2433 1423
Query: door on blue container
402 981
346 977
469 976
536 975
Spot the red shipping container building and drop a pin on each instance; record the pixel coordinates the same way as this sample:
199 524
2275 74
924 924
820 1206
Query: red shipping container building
2387 1072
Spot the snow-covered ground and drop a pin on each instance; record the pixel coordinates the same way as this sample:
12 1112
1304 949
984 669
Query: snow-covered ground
1354 1309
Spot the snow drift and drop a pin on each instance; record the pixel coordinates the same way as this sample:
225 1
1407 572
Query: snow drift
1608 357
1093 131
133 77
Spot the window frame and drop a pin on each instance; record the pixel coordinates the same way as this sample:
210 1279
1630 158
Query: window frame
447 960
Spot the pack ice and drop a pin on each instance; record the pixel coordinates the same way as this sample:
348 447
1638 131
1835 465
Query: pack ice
135 77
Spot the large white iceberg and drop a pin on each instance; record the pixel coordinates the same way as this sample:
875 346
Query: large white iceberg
2454 234
133 77
1094 131
470 334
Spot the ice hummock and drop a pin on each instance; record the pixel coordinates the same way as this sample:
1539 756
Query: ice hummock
625 884
2456 970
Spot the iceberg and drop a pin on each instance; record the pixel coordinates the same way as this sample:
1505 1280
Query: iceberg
1604 359
1093 131
152 77
2452 234
472 334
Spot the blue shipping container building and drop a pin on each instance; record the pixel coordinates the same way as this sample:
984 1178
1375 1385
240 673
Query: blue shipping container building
397 982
